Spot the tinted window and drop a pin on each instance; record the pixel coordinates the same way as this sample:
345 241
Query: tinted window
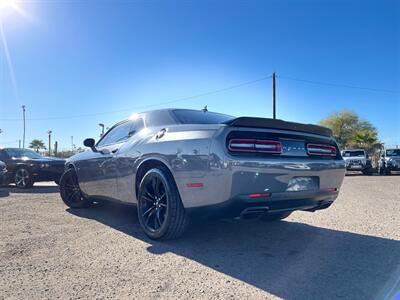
200 117
20 153
116 134
121 132
353 153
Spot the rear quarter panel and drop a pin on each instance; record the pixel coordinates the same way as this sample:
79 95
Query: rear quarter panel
184 149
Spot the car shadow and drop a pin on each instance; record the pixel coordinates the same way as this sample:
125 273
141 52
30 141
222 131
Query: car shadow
4 192
40 189
288 259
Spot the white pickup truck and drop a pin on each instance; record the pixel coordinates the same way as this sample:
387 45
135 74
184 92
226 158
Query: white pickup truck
357 160
390 161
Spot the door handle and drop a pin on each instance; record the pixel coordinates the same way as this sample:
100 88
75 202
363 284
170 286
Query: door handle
161 133
114 151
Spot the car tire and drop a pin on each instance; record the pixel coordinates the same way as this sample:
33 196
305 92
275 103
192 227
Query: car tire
160 210
70 191
275 217
22 178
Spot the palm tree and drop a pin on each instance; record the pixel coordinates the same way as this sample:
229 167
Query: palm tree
37 145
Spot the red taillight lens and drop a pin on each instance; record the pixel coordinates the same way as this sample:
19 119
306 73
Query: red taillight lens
253 145
315 149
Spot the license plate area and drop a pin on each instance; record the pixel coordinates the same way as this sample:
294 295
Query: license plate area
355 166
293 148
299 184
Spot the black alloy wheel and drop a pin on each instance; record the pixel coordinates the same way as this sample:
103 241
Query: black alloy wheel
70 191
22 178
160 210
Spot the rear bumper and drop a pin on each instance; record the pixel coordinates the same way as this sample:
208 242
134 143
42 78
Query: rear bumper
243 205
232 180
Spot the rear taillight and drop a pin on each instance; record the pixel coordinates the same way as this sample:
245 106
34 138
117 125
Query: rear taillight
253 145
316 149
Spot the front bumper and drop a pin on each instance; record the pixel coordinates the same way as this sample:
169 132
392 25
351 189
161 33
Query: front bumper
394 167
356 168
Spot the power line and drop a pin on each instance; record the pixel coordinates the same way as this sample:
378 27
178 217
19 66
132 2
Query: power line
339 85
151 105
208 94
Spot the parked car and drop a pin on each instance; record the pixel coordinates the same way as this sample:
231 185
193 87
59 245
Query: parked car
25 167
3 172
390 161
178 163
357 160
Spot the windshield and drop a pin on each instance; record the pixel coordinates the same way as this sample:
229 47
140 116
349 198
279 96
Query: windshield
187 116
393 152
358 153
21 153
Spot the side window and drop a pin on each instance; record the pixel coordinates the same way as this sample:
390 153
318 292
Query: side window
117 134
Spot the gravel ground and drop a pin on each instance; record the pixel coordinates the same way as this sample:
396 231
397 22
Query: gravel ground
349 251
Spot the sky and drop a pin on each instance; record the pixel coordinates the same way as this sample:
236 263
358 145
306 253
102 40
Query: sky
75 64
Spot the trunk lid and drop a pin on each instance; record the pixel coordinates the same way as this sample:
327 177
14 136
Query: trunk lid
254 136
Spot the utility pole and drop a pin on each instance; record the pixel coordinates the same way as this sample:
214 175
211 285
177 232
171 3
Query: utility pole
274 95
102 129
55 148
72 143
49 133
23 117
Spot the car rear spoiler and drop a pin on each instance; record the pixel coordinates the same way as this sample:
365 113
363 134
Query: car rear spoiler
278 124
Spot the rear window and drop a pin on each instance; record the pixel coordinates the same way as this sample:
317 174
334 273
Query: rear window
200 117
353 153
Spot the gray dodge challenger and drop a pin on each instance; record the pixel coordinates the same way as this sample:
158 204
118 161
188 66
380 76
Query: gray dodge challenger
176 164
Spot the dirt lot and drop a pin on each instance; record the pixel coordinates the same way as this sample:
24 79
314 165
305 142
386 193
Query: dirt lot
349 251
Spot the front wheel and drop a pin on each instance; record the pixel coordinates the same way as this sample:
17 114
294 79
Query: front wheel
22 178
160 210
70 191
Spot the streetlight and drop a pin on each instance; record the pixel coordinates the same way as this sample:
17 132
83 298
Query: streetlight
23 118
102 129
49 132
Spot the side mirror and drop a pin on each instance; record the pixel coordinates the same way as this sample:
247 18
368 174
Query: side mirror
90 143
